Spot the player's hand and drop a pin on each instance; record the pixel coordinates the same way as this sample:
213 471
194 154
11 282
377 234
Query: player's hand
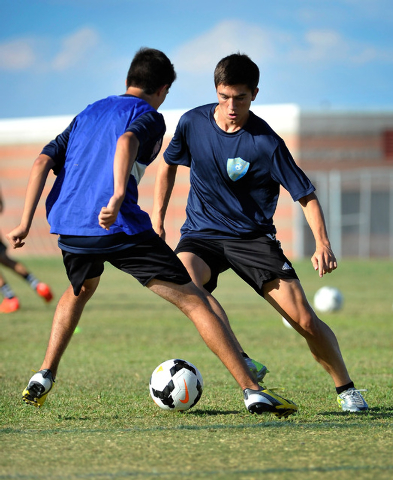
16 237
160 231
324 260
108 214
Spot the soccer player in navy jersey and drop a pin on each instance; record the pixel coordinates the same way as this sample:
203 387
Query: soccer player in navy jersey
237 165
93 207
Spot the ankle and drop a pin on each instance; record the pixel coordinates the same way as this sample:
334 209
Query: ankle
344 387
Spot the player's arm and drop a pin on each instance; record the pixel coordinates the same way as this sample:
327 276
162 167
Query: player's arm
125 155
38 175
323 259
164 183
1 202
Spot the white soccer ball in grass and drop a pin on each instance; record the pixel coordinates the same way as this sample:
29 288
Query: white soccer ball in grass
328 299
176 385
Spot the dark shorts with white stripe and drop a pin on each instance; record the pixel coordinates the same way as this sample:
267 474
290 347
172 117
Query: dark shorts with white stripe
257 261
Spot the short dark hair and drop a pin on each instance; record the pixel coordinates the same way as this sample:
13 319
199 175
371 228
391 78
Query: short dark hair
237 69
150 69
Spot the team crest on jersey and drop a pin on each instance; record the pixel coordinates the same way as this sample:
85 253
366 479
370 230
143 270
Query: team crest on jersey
237 168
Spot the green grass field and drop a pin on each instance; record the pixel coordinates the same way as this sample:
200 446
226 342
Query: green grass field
100 422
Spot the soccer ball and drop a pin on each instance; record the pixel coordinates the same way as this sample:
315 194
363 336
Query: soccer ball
328 299
176 385
286 323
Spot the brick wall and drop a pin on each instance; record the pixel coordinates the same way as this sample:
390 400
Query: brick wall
15 165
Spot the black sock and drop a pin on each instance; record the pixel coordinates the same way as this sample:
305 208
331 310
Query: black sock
344 387
244 355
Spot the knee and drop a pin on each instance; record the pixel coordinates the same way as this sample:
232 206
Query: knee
88 288
193 298
86 292
310 325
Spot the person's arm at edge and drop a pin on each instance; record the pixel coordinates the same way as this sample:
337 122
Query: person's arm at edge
38 175
1 201
165 180
125 155
323 258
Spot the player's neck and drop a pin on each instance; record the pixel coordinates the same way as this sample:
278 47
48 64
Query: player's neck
228 125
138 92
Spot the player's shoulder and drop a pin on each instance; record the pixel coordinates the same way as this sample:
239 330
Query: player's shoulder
110 103
124 101
202 111
257 126
259 123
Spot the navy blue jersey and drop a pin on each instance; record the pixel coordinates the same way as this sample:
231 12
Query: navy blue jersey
84 155
235 177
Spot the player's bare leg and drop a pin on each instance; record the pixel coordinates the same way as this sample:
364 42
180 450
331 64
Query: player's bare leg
199 272
14 265
42 289
67 315
190 301
288 298
66 318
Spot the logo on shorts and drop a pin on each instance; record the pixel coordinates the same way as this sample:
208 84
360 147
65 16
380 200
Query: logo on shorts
286 267
237 168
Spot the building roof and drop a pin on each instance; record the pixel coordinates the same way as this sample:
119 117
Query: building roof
283 118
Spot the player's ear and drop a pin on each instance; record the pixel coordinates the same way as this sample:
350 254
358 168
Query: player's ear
254 95
163 89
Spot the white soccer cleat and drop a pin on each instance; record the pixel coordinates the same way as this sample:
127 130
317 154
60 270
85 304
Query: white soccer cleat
37 389
264 401
352 401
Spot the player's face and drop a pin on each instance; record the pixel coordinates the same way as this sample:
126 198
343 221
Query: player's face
233 104
161 96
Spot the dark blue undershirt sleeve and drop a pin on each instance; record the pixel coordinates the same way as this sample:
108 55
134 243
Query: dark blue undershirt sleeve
149 128
57 148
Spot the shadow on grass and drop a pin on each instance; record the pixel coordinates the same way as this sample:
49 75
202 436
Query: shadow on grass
194 413
212 413
263 424
376 413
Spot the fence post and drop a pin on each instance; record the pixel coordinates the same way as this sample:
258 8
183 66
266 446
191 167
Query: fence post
335 224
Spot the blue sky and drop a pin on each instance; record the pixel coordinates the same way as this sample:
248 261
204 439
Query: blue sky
57 56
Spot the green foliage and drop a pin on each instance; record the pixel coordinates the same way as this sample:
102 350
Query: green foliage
100 422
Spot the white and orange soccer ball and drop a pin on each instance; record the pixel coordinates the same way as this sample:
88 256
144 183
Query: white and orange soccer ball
176 385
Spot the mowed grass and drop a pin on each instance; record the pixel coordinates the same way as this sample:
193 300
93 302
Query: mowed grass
100 422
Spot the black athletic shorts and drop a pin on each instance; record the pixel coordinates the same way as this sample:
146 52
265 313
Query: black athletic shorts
256 261
151 259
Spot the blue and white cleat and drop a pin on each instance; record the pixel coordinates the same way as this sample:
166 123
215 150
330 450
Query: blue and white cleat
352 401
265 401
